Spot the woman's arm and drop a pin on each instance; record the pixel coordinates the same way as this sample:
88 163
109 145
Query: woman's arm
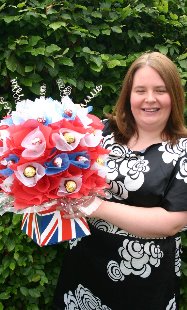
143 222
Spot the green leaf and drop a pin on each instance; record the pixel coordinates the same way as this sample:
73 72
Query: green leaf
57 25
183 64
72 81
87 50
174 16
9 19
106 31
96 14
12 265
34 293
95 67
21 5
36 278
2 7
10 246
50 62
182 56
1 306
4 295
96 60
16 219
105 57
29 69
11 63
52 48
113 63
35 88
27 82
107 109
66 61
65 51
33 40
116 29
24 291
38 51
162 49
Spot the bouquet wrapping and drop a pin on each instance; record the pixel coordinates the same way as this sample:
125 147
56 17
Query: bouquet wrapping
50 153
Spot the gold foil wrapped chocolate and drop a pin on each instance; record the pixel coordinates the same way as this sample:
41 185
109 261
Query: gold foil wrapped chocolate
70 186
100 161
69 137
29 172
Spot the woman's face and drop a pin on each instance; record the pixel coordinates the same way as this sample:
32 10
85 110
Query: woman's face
150 100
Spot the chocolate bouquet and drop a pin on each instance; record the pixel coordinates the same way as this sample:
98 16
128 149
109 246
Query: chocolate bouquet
50 152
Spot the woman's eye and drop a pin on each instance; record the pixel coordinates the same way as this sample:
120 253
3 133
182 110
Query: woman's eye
161 91
140 91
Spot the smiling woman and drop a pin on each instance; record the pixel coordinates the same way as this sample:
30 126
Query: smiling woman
131 260
150 102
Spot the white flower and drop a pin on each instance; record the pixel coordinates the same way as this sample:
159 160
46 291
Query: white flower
70 301
91 139
137 259
69 185
114 271
7 183
172 304
182 173
30 173
61 139
117 190
4 134
43 109
172 153
133 169
177 256
76 110
100 165
34 144
83 300
74 242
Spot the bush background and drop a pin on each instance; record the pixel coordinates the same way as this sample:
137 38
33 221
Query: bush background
85 43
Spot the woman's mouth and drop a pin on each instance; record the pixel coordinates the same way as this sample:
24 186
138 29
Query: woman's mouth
151 109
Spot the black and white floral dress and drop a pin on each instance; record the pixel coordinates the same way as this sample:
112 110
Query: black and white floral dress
114 270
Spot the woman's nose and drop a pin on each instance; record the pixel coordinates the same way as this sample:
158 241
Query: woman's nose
150 97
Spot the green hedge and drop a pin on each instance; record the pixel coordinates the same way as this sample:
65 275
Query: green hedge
85 43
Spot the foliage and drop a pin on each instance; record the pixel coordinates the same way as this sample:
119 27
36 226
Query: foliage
86 43
28 273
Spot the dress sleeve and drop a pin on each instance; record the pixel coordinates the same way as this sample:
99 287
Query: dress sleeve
175 198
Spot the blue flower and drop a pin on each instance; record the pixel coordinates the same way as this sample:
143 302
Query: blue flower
80 159
11 159
58 164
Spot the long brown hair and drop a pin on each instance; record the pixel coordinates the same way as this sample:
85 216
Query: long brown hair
122 120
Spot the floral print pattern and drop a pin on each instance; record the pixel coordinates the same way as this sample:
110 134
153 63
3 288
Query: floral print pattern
173 153
83 300
182 173
74 242
177 256
137 259
148 178
171 305
131 167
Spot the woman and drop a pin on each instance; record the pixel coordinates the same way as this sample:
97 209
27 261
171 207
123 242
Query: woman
131 261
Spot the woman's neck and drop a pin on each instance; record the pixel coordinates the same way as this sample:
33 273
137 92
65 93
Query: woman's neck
144 140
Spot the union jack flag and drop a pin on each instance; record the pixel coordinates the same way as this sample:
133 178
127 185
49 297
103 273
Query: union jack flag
49 227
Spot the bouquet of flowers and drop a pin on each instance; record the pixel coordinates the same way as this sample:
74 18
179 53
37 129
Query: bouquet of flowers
50 153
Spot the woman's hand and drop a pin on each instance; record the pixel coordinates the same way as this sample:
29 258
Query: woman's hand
82 207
